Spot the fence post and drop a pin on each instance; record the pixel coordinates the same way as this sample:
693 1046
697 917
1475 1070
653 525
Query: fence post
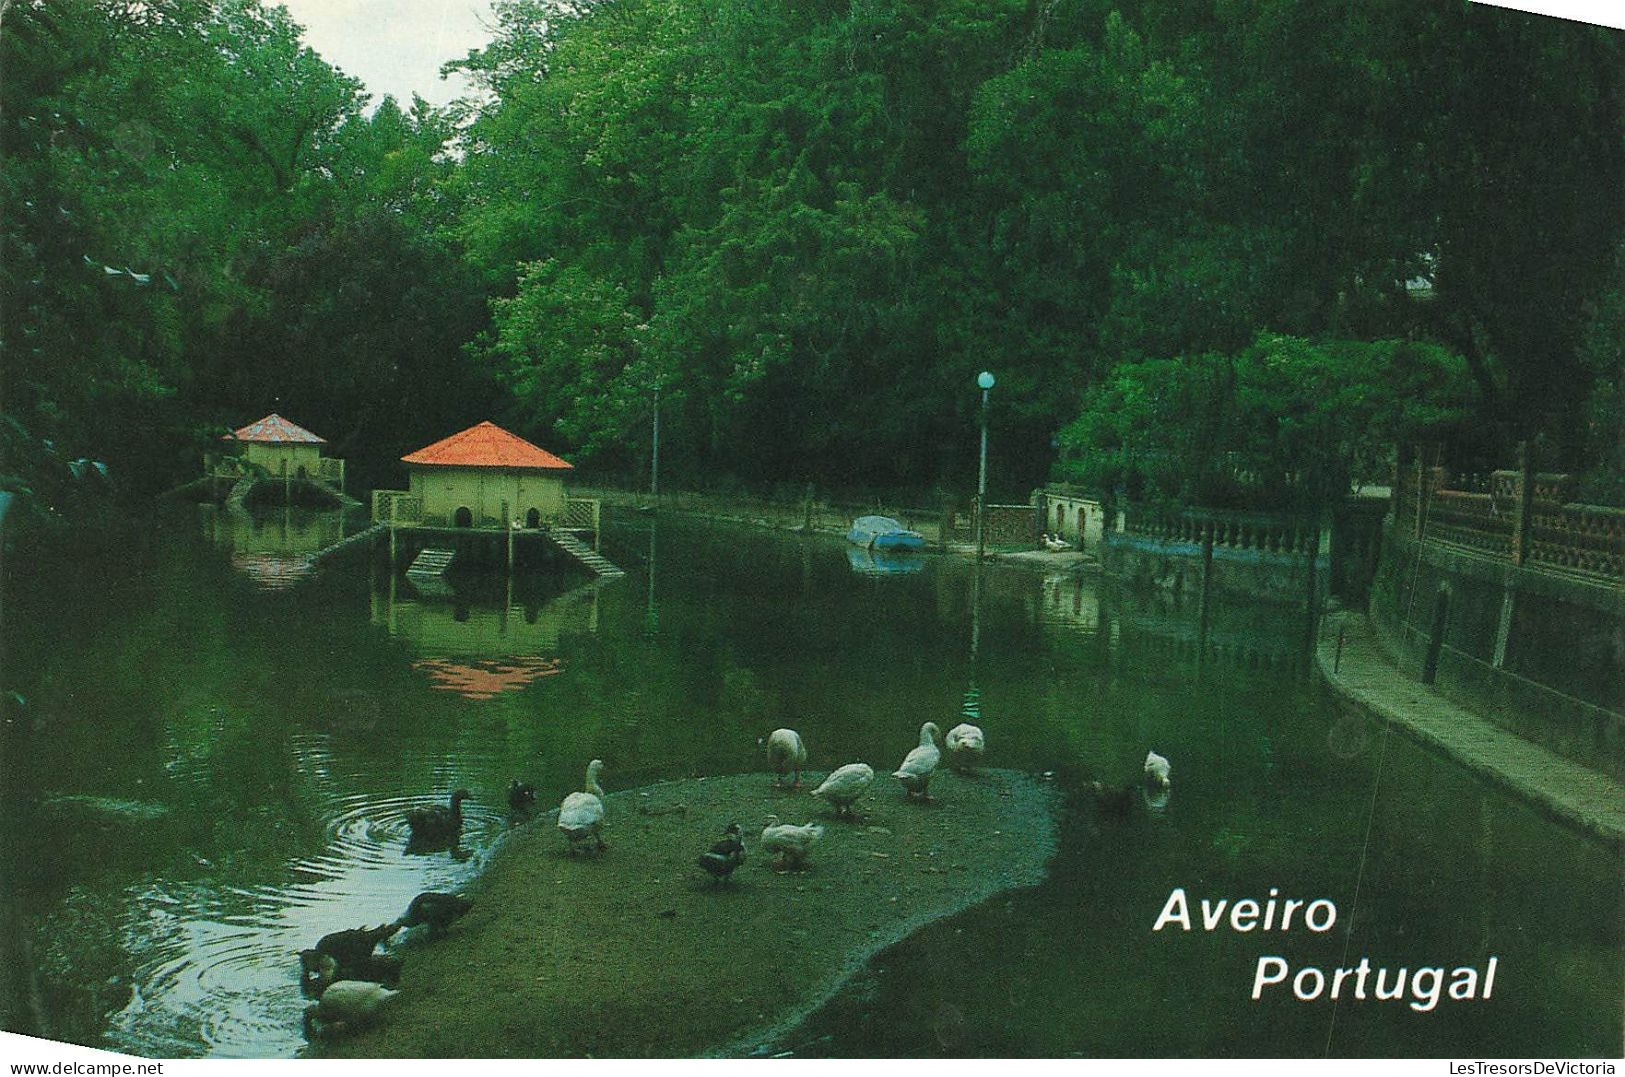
1522 505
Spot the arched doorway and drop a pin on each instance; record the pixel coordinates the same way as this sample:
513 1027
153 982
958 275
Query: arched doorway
463 517
533 518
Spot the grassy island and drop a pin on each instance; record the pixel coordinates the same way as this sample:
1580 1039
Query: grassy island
638 953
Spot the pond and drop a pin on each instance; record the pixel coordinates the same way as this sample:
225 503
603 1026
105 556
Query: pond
218 749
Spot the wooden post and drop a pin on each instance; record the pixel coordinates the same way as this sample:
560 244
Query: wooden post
1521 511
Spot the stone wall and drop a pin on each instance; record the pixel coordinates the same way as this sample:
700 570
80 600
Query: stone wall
1536 651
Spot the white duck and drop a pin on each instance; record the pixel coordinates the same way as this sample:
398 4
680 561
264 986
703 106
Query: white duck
786 754
345 1005
1157 771
920 763
845 785
789 843
965 744
582 814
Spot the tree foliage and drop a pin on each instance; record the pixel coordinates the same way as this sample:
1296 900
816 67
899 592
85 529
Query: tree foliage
811 224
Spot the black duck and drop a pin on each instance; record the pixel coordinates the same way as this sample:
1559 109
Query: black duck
725 855
435 909
439 823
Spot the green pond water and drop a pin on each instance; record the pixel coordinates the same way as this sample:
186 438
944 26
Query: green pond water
218 749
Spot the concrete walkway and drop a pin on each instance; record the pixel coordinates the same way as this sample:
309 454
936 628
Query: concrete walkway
1367 676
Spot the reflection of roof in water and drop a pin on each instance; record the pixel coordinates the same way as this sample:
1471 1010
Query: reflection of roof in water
483 679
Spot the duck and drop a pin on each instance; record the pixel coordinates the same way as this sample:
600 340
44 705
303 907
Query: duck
725 855
790 843
347 1005
521 796
1056 544
1157 771
320 971
355 945
845 785
439 823
786 754
435 909
920 763
582 814
965 744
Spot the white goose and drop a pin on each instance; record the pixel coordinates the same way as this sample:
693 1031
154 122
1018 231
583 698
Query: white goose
345 1005
790 843
920 763
1157 771
965 744
845 785
582 814
786 754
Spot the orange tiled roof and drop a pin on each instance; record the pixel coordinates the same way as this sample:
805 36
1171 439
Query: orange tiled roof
278 431
485 445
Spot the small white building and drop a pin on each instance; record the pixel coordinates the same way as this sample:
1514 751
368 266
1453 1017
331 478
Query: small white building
1075 517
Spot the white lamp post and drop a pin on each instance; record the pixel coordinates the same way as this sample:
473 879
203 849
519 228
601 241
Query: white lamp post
985 381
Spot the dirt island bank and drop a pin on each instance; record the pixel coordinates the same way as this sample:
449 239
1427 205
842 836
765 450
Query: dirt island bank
637 953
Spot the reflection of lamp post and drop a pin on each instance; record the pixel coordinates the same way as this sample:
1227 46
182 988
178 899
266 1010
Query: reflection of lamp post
654 450
985 380
971 707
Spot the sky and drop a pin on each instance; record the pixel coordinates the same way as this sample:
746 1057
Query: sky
395 46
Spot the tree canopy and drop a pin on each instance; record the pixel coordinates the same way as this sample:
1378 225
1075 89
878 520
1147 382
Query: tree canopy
1192 233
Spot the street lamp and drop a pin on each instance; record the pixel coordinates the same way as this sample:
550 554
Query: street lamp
985 381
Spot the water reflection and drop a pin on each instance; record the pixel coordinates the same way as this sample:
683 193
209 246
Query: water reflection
481 651
873 563
198 814
272 547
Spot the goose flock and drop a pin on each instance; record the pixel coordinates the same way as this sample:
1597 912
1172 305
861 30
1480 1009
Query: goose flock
354 984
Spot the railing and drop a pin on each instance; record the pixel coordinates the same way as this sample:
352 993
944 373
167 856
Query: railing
1579 538
1228 530
227 466
581 513
396 507
1538 530
331 471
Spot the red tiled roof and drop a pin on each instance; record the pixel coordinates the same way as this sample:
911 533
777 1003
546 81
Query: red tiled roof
485 445
278 431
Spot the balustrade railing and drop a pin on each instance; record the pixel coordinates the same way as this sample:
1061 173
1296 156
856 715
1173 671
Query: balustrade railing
1543 529
1235 531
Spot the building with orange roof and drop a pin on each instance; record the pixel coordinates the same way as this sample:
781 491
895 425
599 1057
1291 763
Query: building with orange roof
484 482
276 448
486 477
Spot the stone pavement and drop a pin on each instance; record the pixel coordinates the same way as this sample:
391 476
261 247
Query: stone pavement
1367 676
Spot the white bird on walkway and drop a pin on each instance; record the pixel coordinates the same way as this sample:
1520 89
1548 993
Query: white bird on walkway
965 744
582 814
786 754
1157 770
790 843
845 785
920 763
